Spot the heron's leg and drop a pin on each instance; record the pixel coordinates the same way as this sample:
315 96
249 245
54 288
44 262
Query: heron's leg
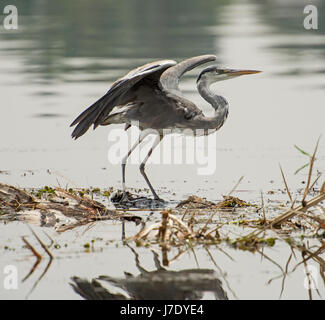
141 137
155 144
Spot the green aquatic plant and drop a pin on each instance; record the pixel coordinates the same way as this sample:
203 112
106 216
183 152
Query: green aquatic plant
306 154
250 243
47 191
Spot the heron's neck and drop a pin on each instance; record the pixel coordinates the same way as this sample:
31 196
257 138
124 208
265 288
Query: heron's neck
217 102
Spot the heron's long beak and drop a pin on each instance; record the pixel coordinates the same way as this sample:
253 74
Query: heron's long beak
232 72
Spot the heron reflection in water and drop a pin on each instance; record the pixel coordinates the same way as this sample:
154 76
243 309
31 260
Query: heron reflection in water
159 284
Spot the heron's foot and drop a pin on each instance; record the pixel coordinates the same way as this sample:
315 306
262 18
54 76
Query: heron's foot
156 198
128 200
125 197
122 197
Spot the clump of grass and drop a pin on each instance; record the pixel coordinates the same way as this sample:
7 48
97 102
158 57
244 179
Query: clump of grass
233 202
106 193
251 243
46 191
72 191
195 202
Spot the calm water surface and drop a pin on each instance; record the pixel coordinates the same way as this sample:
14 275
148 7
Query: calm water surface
65 55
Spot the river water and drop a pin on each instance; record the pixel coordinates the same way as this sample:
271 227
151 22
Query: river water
64 56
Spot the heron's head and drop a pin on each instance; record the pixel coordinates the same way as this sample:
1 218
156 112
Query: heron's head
213 74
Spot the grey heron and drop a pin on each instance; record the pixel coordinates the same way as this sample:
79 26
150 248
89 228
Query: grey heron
150 96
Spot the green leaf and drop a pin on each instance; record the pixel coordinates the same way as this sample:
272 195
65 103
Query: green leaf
304 166
302 151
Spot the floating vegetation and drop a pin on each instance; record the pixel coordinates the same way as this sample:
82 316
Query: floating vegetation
193 223
195 202
233 202
46 191
181 225
63 209
251 243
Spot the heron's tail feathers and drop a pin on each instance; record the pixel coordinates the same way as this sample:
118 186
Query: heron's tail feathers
88 117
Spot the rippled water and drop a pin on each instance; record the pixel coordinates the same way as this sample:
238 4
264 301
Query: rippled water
65 55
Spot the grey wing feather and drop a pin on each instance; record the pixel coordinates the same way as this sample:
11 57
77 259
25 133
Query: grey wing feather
169 84
116 95
169 80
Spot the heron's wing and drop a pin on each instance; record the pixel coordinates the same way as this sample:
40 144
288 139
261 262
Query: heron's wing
117 95
169 79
